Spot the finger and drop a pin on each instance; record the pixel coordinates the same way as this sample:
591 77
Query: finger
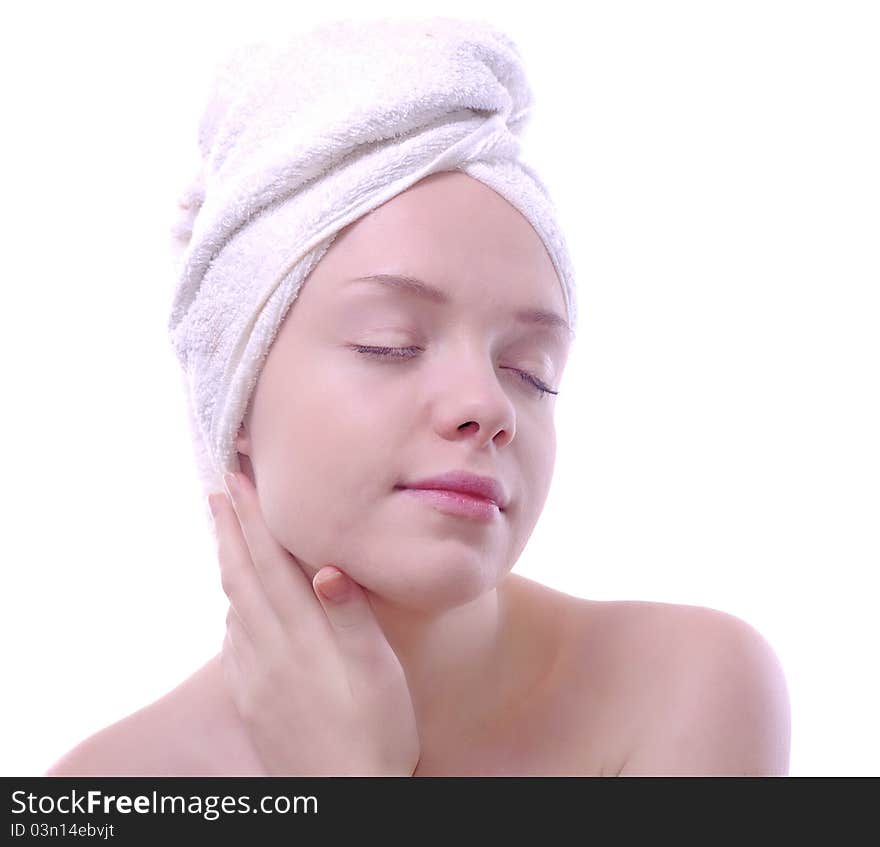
240 638
364 647
285 584
228 654
239 578
229 663
232 674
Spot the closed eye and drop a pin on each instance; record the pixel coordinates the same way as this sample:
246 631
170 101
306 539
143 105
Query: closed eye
409 352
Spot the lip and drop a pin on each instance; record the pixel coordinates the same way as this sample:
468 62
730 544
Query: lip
464 482
455 504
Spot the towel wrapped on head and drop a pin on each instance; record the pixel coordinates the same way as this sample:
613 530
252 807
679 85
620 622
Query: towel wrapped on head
301 137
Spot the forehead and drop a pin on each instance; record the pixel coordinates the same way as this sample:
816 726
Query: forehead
538 317
455 239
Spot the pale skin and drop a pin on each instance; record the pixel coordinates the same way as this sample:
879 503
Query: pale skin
317 699
484 672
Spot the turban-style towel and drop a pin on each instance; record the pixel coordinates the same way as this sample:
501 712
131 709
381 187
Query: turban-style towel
302 136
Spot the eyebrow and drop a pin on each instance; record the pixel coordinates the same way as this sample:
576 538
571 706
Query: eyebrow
402 282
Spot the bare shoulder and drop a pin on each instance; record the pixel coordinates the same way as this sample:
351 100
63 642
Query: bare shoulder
131 746
164 738
701 692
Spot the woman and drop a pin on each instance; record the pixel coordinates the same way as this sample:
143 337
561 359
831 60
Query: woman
427 337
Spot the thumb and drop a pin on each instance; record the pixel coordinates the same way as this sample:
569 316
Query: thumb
350 614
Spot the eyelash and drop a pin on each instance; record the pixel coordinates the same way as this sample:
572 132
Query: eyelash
399 352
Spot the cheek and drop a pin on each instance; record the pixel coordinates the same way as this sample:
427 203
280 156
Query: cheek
537 462
322 469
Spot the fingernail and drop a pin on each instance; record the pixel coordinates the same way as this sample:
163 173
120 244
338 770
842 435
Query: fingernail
334 587
231 483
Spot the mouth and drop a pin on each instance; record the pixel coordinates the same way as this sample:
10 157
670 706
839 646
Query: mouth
464 484
455 503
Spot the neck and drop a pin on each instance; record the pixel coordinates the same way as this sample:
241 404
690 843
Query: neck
458 664
467 670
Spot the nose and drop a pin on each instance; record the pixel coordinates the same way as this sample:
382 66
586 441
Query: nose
477 402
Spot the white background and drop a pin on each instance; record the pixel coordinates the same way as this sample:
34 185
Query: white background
715 166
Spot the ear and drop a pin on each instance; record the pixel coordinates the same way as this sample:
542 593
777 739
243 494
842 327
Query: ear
243 447
243 440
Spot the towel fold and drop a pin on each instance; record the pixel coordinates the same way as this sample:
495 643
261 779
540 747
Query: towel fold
302 136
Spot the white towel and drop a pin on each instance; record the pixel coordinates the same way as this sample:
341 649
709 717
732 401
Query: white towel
300 137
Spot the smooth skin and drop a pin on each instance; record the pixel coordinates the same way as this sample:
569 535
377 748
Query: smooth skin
502 675
317 685
333 430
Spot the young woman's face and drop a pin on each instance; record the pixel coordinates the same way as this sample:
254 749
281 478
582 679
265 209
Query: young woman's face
332 432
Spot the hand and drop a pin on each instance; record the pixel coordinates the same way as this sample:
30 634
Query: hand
315 681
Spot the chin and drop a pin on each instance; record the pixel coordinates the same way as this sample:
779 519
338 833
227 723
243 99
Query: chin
431 588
